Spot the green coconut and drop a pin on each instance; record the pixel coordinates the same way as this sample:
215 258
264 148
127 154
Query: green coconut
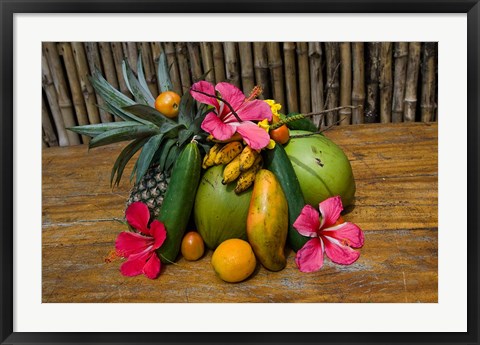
219 213
322 168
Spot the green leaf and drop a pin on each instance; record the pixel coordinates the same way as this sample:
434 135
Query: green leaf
134 170
146 156
172 157
124 157
95 129
109 94
122 134
164 81
149 114
139 93
171 130
141 76
184 135
187 109
165 149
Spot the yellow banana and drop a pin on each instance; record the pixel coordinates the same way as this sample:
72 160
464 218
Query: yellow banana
247 177
231 171
228 152
247 158
209 158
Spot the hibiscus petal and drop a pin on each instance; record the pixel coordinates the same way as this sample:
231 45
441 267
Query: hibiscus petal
339 253
152 267
135 263
206 87
157 229
330 210
128 243
255 110
213 125
347 233
310 257
232 94
257 138
307 222
137 215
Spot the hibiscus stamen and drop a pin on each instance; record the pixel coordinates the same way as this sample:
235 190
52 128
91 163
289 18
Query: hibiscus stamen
221 100
256 91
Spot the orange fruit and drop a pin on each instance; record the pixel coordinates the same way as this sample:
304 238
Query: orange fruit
168 103
192 247
281 135
234 260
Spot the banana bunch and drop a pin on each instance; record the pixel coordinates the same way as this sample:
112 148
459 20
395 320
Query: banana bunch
242 163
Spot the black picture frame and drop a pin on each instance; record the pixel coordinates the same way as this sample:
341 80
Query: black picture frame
10 7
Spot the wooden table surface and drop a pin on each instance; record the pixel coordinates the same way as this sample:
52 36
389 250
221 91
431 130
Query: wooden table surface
396 171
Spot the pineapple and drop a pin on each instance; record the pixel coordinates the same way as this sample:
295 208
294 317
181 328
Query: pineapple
159 138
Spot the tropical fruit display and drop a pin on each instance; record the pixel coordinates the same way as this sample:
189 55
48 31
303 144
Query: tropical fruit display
246 177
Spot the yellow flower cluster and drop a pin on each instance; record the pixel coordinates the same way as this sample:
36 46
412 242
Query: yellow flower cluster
274 106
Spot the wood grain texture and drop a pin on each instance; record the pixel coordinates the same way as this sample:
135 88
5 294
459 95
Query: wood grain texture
396 171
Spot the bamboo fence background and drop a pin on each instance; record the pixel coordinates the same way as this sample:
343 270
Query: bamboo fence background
392 81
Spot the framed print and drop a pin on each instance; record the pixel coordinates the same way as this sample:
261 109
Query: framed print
192 172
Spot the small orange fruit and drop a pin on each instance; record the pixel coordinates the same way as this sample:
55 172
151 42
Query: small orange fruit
168 103
234 260
281 135
192 246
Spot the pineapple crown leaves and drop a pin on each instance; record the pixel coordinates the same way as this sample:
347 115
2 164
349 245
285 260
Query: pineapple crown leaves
159 138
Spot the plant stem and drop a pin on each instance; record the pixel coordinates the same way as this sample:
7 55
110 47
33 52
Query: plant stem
318 132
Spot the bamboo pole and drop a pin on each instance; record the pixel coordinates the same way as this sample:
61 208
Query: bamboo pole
172 62
401 56
290 77
218 61
345 83
246 66
316 81
117 53
428 82
157 50
333 62
276 71
303 76
371 111
386 82
49 132
412 80
358 90
109 67
195 60
231 63
93 58
130 51
51 93
78 102
149 68
87 89
64 102
260 62
181 49
207 61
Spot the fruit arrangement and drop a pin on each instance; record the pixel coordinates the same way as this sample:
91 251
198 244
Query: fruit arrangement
247 177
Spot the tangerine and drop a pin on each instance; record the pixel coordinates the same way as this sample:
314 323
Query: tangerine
234 260
281 135
168 104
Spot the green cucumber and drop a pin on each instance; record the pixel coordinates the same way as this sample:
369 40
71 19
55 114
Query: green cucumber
178 201
277 161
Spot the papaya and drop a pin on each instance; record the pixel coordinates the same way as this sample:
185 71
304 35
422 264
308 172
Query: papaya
267 221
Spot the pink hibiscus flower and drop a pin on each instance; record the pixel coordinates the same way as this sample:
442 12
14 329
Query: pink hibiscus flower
336 240
223 123
139 248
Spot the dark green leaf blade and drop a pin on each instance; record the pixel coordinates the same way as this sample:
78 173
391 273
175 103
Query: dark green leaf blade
187 109
139 93
141 75
98 128
122 134
163 157
172 157
146 156
149 114
124 157
164 81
